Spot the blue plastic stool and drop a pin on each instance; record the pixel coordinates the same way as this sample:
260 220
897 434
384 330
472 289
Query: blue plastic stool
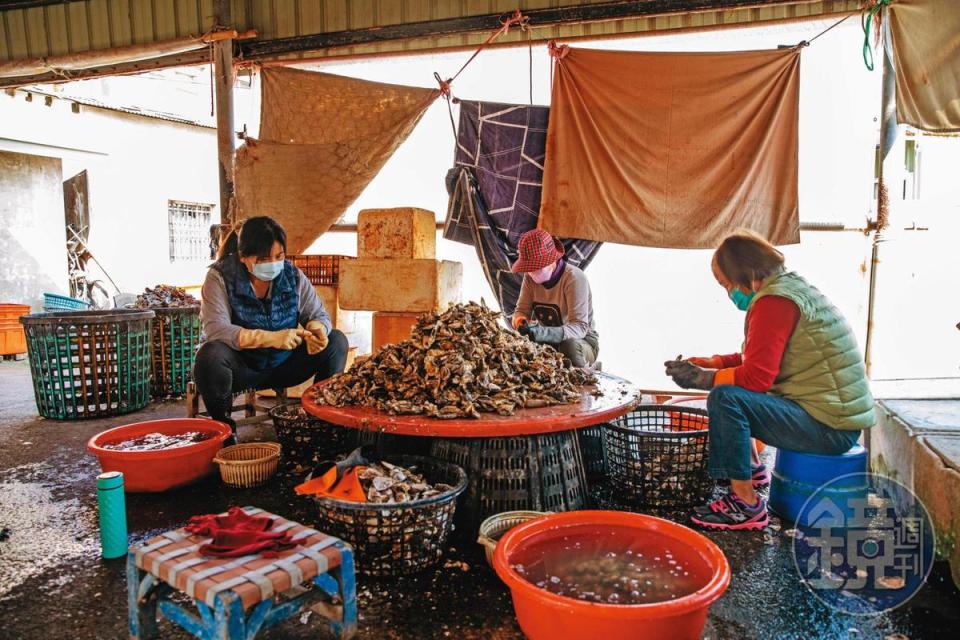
796 476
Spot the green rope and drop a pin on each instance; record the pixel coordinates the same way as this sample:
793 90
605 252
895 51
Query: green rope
874 9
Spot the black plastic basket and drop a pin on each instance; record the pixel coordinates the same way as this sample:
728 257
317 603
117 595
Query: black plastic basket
523 473
594 452
657 458
307 440
398 538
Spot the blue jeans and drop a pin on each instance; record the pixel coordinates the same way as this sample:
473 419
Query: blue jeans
736 414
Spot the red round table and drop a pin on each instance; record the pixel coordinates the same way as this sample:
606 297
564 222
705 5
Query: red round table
531 460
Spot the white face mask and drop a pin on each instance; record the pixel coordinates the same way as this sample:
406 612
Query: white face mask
542 275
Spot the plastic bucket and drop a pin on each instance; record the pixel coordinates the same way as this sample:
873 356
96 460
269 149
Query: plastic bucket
546 616
154 471
797 476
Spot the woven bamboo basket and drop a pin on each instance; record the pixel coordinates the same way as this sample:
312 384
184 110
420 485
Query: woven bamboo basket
496 526
248 465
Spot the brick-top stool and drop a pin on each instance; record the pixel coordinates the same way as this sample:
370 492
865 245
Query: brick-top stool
234 598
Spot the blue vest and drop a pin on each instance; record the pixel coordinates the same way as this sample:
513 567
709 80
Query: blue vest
279 311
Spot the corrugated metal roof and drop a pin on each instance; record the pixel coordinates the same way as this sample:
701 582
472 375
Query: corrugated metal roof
133 110
80 26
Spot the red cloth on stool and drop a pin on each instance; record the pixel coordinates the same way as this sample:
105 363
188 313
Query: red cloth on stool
239 534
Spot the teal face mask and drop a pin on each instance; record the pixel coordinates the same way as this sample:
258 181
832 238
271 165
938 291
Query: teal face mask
267 271
741 299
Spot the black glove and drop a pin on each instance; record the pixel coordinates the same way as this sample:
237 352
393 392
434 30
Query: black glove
524 329
689 376
544 335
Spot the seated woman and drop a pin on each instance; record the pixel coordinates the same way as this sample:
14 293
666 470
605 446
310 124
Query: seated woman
264 326
800 383
555 306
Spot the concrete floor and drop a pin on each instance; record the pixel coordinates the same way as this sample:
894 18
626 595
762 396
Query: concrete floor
53 583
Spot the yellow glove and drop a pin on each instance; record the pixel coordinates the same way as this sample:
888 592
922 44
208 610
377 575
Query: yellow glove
316 337
285 339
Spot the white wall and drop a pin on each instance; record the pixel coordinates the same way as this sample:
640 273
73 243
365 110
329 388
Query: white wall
134 165
31 212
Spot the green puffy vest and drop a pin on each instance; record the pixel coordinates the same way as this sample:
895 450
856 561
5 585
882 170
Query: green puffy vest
822 369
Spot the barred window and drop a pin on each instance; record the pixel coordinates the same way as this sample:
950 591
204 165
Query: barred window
189 224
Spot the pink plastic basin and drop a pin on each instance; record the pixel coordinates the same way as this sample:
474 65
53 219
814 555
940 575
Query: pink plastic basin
547 616
154 471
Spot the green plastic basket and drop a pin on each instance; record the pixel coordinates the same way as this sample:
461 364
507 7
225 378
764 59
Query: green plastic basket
89 364
173 349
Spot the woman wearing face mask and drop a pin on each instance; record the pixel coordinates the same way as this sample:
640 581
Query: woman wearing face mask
799 384
555 306
263 323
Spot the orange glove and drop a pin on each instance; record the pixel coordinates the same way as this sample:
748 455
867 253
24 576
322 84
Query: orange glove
519 319
713 362
347 488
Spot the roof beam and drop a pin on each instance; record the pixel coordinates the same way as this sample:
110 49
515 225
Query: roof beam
619 10
29 4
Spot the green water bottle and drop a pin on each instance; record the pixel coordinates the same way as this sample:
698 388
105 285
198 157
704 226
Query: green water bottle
113 515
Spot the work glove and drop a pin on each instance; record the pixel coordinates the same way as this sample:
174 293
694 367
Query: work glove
361 456
689 376
284 339
544 335
713 362
316 337
519 320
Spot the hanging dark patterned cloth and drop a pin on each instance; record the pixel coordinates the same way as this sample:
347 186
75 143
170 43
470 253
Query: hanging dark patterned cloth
495 190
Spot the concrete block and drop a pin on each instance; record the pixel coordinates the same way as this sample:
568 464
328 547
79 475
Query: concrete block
391 328
937 484
399 286
342 319
893 442
407 233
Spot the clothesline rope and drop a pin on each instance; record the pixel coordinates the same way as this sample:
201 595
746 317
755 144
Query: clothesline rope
870 9
517 18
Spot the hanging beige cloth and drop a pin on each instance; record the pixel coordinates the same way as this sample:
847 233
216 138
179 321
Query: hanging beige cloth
925 36
323 139
672 149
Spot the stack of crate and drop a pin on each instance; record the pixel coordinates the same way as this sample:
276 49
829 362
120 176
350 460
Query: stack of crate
396 274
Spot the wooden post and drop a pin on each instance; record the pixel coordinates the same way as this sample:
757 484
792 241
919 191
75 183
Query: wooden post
888 133
223 89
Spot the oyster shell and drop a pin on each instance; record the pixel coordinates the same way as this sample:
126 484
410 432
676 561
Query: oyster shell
458 364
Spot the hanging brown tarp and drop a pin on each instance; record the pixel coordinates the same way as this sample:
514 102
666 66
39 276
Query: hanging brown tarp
672 149
925 36
323 139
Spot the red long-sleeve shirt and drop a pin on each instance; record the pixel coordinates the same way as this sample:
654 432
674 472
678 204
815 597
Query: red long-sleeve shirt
770 324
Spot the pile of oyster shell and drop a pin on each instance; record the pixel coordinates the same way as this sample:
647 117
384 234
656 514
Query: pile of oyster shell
384 482
458 364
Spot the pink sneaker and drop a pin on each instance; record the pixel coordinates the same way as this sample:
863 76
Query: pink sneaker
730 513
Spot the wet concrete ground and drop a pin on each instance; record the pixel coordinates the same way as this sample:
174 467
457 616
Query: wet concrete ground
54 585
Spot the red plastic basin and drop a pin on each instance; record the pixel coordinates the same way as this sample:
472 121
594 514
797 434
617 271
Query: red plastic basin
547 616
153 471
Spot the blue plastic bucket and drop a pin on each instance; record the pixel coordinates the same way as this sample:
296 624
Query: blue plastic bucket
796 476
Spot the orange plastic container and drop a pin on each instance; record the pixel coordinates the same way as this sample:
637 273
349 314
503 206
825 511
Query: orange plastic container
12 338
547 616
155 471
699 402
